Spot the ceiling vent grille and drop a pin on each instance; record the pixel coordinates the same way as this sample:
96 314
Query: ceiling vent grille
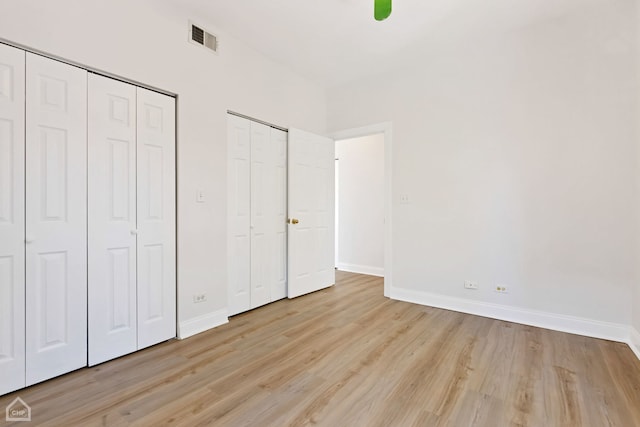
202 38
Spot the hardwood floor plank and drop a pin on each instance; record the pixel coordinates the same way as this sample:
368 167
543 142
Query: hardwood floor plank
347 356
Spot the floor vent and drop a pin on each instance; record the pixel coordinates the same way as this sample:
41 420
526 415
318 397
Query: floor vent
203 38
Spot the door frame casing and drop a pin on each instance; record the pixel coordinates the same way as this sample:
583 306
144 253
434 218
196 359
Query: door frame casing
385 128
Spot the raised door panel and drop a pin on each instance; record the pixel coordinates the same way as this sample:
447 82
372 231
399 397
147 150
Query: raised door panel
278 221
239 214
56 212
261 213
311 201
12 242
112 219
156 246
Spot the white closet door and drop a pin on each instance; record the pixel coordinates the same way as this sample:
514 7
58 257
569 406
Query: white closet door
257 203
112 219
262 207
12 316
56 215
278 221
238 205
156 218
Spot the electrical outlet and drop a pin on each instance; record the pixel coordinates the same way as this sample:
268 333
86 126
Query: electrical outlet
199 298
404 199
470 284
502 289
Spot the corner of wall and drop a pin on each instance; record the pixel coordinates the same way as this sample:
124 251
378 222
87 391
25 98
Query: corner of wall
191 327
361 269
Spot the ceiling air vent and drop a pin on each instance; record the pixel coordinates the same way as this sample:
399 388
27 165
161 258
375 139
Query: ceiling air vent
200 37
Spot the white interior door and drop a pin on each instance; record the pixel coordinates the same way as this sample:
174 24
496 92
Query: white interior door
261 210
56 213
12 282
239 214
268 214
278 221
156 218
257 207
311 212
111 219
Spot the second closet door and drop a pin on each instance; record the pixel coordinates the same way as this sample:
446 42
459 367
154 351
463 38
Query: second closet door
56 213
262 201
268 214
257 202
112 219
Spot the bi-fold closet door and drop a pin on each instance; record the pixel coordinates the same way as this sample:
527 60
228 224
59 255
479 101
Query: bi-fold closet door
56 218
66 237
12 219
43 255
257 246
131 218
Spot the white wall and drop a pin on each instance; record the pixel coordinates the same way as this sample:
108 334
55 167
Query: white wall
635 331
146 41
361 204
518 155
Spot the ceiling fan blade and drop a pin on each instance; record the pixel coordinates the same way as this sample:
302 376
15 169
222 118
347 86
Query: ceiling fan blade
382 9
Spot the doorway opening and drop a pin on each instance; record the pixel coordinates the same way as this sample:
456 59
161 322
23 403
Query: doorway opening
363 201
360 204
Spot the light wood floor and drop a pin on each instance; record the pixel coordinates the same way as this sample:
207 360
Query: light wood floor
347 356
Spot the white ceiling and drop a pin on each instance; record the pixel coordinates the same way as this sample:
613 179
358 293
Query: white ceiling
336 41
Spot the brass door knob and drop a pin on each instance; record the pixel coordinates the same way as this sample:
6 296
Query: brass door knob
293 221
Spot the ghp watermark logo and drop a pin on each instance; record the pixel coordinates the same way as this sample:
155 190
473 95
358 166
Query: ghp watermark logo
18 410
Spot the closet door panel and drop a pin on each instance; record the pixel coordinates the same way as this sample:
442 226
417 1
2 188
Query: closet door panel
262 204
12 244
278 220
239 214
56 211
112 219
156 217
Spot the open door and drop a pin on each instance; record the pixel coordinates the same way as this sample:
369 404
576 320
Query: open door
311 221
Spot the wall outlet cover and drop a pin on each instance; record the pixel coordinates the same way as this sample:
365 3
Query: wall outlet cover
470 284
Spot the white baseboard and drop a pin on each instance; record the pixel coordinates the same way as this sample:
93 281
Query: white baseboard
361 269
634 341
558 322
194 326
